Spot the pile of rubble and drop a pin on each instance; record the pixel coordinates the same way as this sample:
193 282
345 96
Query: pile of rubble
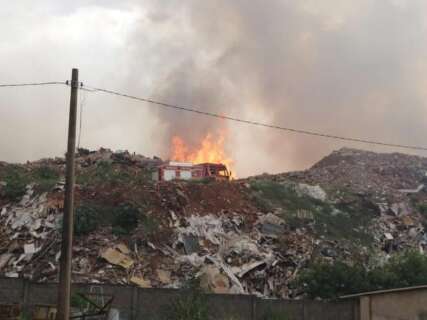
217 232
378 174
86 158
399 227
29 234
215 248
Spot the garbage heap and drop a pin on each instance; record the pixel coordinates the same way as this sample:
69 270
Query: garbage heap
254 235
214 248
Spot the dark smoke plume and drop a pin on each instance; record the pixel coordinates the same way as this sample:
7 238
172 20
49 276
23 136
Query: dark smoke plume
348 68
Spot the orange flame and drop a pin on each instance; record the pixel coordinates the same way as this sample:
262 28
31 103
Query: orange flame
210 150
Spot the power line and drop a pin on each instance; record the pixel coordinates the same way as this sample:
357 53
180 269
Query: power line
31 84
218 116
256 123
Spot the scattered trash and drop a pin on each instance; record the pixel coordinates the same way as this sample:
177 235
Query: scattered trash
164 276
115 257
272 225
191 244
4 259
212 280
29 248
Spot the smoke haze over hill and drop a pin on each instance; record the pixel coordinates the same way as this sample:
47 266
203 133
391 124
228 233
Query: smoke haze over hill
343 67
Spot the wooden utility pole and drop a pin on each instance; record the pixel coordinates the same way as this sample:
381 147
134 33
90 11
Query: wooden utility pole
64 290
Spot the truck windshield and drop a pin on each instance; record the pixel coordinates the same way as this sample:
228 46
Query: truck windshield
223 173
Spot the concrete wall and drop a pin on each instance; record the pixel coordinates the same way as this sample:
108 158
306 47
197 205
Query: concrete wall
402 305
152 304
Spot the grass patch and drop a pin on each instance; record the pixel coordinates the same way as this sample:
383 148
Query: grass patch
336 221
17 178
113 174
45 178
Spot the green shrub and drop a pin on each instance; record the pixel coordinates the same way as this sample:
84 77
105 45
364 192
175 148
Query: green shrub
125 219
45 178
407 269
78 302
16 182
331 281
86 220
17 179
422 208
45 173
191 306
105 172
149 225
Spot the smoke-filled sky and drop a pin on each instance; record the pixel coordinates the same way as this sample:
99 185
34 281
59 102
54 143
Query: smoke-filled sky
352 68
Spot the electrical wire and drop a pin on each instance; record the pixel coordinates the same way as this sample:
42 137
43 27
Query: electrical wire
256 123
214 115
31 84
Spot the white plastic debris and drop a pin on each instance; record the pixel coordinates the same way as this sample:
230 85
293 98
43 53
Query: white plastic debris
315 192
30 248
208 227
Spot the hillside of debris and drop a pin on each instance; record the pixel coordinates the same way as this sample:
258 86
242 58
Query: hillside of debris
254 235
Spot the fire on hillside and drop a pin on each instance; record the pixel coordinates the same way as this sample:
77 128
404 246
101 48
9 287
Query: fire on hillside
208 159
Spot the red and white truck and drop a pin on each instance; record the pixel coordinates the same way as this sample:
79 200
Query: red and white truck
173 170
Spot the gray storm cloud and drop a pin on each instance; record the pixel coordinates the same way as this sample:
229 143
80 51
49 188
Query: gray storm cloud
351 68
